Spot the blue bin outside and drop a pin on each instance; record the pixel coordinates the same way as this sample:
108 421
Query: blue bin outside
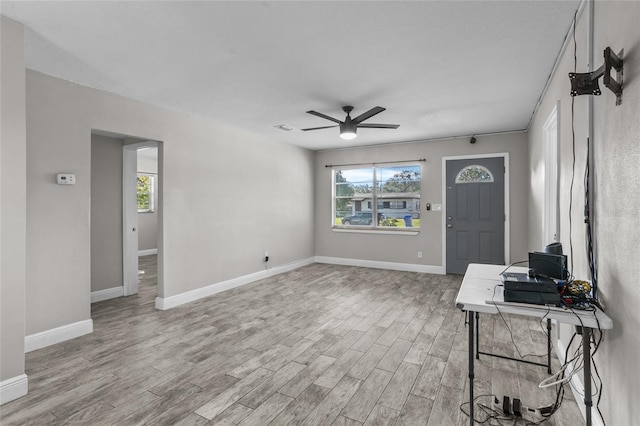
407 221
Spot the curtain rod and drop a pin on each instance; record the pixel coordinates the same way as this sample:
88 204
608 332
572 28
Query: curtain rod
375 164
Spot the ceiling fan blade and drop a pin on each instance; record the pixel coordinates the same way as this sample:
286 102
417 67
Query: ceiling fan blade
321 115
317 128
379 126
373 111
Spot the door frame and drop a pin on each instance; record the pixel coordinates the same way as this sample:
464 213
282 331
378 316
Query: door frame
507 236
130 214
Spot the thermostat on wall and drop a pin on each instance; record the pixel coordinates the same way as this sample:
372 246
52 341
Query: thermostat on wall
66 179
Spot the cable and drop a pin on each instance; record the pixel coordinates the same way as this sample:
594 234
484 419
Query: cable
509 327
511 264
588 221
573 139
595 368
560 389
493 414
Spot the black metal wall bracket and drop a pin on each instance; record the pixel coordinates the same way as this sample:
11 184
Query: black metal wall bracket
587 83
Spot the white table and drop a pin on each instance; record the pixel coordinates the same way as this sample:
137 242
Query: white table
479 294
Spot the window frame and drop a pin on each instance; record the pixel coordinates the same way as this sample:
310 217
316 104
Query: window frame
152 191
375 200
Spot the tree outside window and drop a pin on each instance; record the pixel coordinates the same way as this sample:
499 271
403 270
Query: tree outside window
145 193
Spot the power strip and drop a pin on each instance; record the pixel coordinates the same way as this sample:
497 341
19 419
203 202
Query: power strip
514 407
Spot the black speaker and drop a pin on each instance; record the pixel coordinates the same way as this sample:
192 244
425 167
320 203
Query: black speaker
554 248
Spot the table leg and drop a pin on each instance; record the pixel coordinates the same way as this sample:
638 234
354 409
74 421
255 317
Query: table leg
471 345
548 346
477 335
586 355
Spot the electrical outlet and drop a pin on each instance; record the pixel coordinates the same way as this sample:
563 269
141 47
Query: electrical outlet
266 256
419 254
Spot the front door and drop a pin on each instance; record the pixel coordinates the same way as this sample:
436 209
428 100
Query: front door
475 212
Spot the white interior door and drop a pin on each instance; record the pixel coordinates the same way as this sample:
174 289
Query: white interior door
551 224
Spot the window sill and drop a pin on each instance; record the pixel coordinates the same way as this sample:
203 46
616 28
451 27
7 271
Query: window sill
367 230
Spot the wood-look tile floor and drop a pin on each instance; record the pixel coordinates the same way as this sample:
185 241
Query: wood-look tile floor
320 345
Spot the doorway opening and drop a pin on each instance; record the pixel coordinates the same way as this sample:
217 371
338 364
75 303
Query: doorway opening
147 214
126 217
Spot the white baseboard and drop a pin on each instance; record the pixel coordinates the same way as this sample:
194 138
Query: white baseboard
13 388
408 267
109 293
57 335
577 386
147 252
164 303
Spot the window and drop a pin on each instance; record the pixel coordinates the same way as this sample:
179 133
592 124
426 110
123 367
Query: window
398 204
146 192
393 190
474 174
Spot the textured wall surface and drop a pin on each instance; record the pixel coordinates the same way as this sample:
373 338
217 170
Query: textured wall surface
616 153
12 200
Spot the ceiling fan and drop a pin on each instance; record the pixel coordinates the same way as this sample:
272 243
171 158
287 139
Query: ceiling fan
349 126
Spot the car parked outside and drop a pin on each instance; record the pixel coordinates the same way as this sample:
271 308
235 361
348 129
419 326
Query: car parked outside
361 218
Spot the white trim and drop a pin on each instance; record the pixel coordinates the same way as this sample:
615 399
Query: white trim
129 219
375 231
408 267
577 387
109 293
164 303
13 388
565 43
551 164
57 335
147 252
422 141
507 205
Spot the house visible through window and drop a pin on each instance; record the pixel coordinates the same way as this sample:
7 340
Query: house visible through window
145 192
393 190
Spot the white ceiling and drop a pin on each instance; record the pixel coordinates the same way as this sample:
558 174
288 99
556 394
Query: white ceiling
441 68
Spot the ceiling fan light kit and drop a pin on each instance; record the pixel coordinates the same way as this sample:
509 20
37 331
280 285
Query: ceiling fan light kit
348 131
349 127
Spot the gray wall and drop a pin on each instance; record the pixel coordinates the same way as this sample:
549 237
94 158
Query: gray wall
226 197
148 221
403 248
12 199
106 212
617 203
